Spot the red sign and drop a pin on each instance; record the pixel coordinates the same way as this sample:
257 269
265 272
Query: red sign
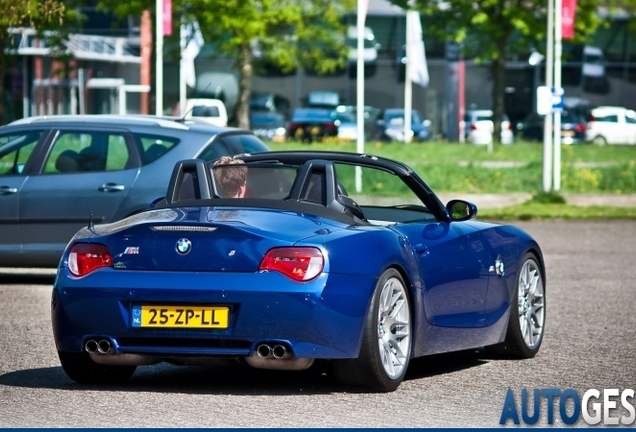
167 17
567 18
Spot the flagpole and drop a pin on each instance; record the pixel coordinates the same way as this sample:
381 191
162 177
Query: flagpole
362 7
159 57
547 125
182 81
558 18
408 84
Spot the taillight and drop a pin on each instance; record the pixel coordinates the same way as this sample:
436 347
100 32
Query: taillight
298 263
86 257
329 127
580 127
473 127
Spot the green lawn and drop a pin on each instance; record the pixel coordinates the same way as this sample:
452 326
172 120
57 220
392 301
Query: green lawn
454 167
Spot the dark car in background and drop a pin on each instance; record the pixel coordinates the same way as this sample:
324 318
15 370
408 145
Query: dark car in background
573 127
269 125
60 173
313 124
270 102
389 126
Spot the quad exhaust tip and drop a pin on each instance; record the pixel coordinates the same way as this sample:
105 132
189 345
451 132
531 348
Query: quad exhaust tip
93 346
277 351
277 356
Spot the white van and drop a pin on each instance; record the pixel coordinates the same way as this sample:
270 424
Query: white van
211 111
370 50
612 125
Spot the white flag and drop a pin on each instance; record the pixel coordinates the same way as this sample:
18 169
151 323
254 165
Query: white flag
416 56
194 43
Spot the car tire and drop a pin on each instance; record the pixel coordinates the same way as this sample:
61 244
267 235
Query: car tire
386 342
80 368
526 323
599 140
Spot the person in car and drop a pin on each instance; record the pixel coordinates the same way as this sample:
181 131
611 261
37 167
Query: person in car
230 180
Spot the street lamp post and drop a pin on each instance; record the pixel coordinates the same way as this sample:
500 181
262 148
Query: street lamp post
535 60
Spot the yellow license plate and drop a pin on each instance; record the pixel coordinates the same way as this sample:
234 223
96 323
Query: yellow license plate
567 133
211 317
315 130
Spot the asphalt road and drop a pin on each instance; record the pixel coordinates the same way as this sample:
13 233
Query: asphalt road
589 344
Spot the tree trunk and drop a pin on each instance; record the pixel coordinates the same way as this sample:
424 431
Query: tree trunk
498 89
245 87
498 72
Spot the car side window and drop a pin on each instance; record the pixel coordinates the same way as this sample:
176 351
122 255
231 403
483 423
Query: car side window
215 150
15 150
383 197
244 143
154 147
87 152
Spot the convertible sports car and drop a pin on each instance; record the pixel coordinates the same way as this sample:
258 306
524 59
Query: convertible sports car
292 270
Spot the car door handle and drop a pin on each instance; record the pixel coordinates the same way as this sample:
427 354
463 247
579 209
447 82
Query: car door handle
421 249
4 190
111 187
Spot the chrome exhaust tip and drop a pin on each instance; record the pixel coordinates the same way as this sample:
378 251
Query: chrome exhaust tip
103 347
279 351
90 346
264 351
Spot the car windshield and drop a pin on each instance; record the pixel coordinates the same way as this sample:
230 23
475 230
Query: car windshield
570 117
205 111
268 118
397 117
344 117
268 181
311 114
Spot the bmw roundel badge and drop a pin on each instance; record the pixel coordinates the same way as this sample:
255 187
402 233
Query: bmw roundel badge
183 246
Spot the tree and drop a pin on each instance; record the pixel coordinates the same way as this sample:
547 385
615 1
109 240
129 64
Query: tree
289 33
37 14
495 29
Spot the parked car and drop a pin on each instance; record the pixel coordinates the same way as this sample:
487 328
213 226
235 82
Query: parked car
573 127
389 126
370 45
479 127
347 125
270 102
296 272
269 125
611 125
313 124
57 173
211 111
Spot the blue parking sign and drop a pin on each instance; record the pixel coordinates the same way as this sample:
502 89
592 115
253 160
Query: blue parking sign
557 99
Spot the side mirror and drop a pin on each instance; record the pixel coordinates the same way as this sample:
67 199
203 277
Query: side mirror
460 210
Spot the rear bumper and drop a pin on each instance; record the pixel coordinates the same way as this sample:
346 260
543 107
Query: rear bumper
319 319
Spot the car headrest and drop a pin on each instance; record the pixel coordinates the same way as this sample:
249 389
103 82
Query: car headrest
67 161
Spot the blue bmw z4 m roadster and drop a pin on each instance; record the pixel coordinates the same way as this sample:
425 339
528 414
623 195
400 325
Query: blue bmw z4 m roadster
268 259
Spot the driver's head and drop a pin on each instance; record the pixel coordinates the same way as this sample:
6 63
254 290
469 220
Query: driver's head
229 176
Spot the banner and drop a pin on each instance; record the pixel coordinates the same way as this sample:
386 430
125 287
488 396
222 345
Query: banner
194 43
567 18
416 56
167 17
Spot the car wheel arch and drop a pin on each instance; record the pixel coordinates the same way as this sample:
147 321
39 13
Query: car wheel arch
599 140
